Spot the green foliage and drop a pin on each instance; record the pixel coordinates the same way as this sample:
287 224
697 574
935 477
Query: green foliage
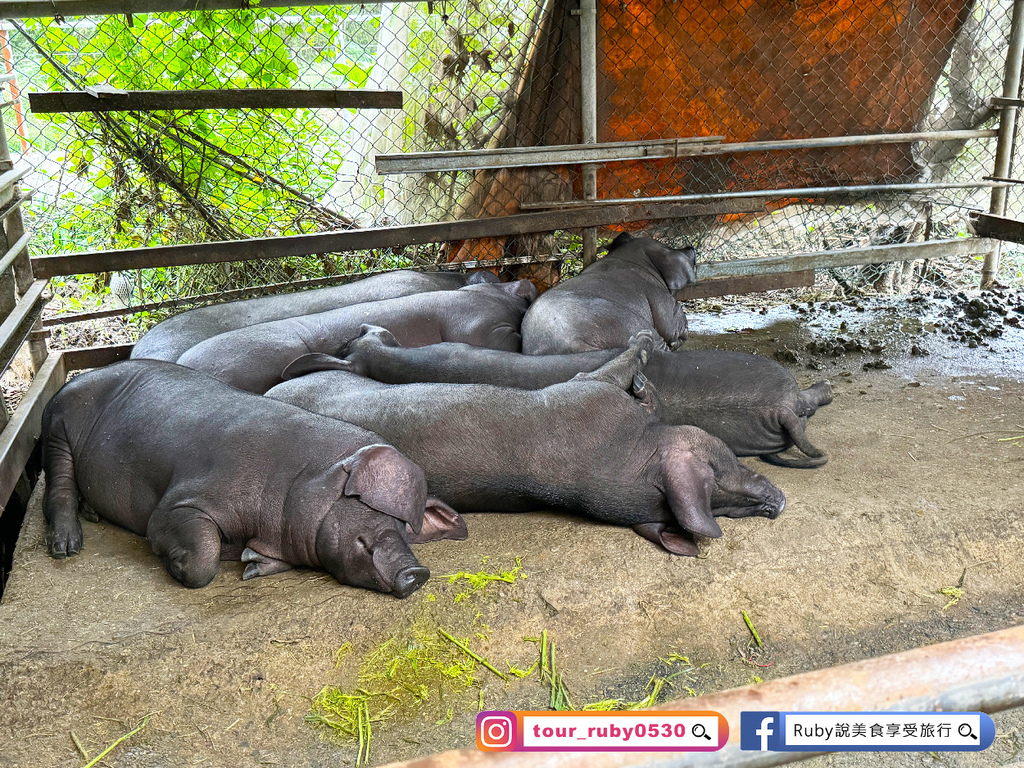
129 180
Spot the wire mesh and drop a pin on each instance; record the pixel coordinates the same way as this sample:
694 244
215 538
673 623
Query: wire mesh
482 74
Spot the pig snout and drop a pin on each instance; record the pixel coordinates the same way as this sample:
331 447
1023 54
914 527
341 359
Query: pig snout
409 580
397 569
747 494
775 504
369 550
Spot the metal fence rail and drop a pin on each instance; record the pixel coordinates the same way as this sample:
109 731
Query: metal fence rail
625 102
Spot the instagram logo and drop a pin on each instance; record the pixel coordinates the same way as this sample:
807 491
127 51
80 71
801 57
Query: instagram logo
495 731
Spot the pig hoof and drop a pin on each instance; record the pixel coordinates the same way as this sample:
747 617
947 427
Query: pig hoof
261 565
88 513
776 509
64 540
643 342
640 385
409 580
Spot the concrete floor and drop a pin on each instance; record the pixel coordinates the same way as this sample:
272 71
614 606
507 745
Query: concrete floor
921 485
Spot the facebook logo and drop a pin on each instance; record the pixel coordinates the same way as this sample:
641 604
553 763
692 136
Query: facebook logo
759 731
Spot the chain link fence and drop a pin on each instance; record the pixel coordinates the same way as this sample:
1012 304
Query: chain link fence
480 74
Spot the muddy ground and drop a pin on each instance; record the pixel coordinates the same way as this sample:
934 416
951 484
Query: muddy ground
925 485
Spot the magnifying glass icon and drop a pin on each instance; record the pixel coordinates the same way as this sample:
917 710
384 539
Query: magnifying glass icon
700 732
965 730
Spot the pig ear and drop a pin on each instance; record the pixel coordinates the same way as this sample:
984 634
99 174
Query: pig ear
482 276
313 362
524 289
440 522
384 479
621 239
689 484
671 538
677 268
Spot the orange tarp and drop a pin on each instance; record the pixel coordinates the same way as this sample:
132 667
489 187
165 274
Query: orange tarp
745 69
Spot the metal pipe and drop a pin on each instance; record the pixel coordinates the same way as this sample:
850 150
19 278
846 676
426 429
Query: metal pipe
799 192
338 241
706 272
520 157
243 293
631 151
983 673
820 142
588 88
44 9
1007 127
846 257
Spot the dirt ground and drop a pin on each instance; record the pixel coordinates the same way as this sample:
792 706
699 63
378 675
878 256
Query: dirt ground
925 485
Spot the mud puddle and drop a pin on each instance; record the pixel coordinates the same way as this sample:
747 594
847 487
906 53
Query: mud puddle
950 334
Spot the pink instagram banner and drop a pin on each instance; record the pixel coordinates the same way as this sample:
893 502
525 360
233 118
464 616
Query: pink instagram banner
498 731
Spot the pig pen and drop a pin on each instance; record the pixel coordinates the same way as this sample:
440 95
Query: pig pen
910 535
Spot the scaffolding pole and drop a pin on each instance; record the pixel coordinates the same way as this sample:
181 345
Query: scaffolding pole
1007 127
588 78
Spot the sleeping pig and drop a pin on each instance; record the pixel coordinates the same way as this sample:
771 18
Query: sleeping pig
252 358
170 339
206 473
627 291
752 404
587 446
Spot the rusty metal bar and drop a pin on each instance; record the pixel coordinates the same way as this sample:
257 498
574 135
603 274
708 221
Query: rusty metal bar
81 358
822 142
379 237
528 157
999 227
46 102
731 286
773 194
43 9
983 673
626 151
848 257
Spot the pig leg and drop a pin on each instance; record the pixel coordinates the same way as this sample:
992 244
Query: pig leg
60 502
794 428
261 565
816 396
620 371
187 541
670 322
366 347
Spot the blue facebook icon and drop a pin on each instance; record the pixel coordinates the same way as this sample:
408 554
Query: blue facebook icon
759 731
